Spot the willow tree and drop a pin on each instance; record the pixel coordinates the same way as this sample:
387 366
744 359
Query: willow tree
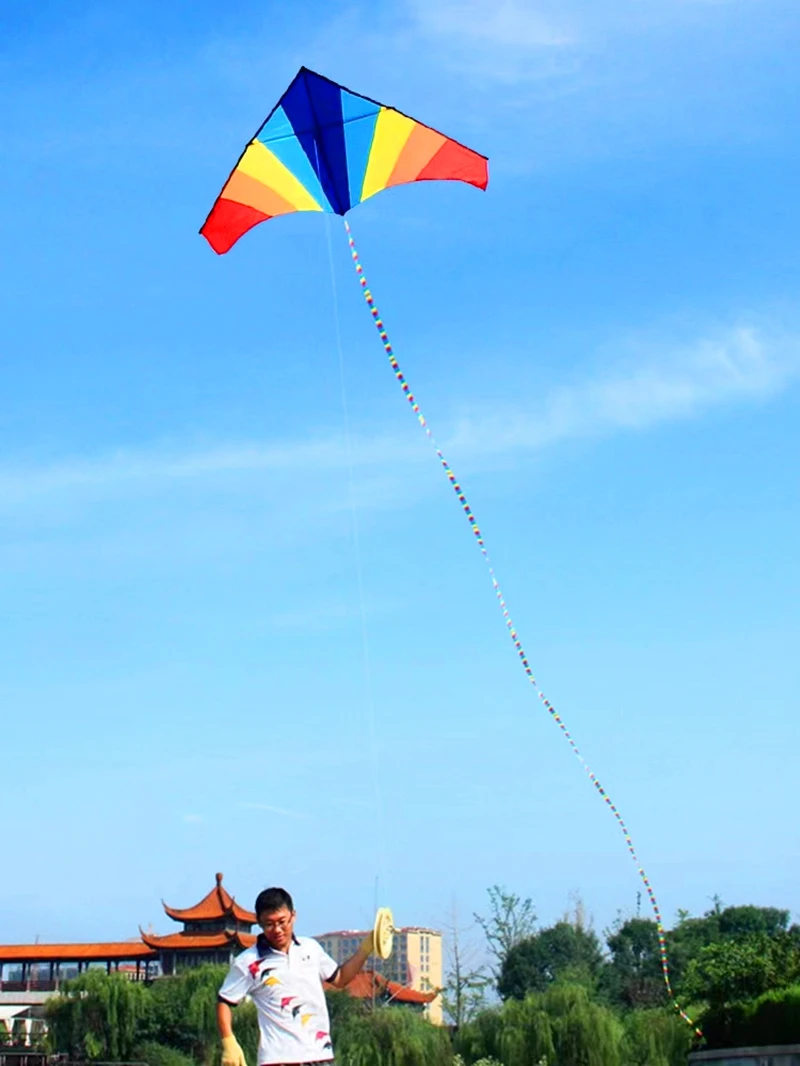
97 1016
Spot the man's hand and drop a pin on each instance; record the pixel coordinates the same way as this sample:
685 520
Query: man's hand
367 945
232 1054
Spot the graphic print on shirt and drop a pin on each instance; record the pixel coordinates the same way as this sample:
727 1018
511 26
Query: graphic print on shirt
286 1001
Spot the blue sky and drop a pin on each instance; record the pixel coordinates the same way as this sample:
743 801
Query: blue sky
607 347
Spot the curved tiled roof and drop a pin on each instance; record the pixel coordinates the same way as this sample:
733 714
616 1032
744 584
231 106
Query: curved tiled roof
190 942
100 952
365 983
219 903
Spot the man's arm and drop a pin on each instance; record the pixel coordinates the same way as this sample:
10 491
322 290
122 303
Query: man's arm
232 1054
355 964
224 1019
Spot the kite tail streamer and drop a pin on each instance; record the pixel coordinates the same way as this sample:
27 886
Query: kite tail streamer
379 325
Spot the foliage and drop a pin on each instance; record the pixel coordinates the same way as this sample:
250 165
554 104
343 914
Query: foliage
98 1016
633 976
773 1018
510 920
655 1037
155 1054
731 971
564 951
561 1025
5 1036
390 1036
182 1013
464 992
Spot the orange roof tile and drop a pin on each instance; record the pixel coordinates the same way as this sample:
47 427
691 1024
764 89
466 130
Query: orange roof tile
219 903
187 941
101 952
365 983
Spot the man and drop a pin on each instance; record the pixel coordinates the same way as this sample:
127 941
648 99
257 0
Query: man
283 975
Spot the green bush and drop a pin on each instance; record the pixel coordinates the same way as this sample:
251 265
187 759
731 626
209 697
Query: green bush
657 1037
155 1054
562 1025
773 1018
391 1036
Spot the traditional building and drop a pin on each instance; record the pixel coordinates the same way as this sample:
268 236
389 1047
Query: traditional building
214 930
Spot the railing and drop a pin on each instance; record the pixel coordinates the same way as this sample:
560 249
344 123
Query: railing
42 984
35 984
21 1057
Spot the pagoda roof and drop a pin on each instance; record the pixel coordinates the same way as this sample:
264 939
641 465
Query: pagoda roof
193 942
99 952
367 983
218 903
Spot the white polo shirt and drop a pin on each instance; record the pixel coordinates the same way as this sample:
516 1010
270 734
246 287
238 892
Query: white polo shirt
286 987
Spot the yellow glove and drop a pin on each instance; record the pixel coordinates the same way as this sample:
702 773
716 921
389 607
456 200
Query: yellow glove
367 945
232 1054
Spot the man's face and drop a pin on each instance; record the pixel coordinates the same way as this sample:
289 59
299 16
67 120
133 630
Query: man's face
278 927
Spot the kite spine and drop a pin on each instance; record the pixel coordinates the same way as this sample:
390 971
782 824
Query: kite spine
512 631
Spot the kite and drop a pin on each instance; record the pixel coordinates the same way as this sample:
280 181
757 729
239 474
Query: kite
324 148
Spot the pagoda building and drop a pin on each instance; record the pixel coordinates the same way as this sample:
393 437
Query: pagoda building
214 930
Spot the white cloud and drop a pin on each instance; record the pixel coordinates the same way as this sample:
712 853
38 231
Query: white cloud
273 810
509 23
738 365
304 484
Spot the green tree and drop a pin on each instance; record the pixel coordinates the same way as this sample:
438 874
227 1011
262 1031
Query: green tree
633 976
510 920
182 1014
97 1016
562 1025
464 993
655 1037
391 1036
735 970
564 951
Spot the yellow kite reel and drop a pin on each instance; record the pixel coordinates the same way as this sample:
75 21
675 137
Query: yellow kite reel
383 933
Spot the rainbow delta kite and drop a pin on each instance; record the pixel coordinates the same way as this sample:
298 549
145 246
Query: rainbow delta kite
324 148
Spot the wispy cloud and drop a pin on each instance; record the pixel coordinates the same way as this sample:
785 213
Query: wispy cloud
509 23
282 811
303 484
738 365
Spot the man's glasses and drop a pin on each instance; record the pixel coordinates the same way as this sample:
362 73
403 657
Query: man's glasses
278 923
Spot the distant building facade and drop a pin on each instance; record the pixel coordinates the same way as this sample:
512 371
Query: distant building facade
415 962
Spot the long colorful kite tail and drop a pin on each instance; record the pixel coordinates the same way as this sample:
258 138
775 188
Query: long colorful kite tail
512 631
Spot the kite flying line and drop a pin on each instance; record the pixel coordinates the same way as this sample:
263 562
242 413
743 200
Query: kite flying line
512 631
365 646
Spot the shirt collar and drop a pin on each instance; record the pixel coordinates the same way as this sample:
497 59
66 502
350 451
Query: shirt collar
263 946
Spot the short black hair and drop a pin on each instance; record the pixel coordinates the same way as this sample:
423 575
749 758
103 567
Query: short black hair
272 899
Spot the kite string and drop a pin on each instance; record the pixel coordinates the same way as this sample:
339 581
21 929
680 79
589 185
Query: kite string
379 325
365 646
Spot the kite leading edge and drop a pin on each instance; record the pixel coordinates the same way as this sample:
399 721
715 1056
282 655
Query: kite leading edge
324 148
